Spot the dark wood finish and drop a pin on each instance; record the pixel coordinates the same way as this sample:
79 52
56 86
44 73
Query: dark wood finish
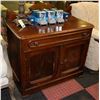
41 6
52 4
42 56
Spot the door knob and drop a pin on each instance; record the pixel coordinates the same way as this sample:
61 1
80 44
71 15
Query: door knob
85 34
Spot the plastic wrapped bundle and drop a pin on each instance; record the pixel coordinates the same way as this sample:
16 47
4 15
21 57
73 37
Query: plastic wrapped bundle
51 18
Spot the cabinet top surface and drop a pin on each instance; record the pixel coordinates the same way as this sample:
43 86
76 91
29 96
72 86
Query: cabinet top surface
71 25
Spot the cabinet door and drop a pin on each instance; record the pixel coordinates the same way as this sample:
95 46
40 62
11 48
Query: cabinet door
41 65
73 57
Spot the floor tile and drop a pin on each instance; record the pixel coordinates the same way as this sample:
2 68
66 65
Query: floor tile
81 95
87 79
94 91
5 94
35 96
17 94
61 90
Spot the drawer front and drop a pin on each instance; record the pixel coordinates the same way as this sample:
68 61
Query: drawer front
32 44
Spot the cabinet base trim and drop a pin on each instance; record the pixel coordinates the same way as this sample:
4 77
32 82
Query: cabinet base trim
33 89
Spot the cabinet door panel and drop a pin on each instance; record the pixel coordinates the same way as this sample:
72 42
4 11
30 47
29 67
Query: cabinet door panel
73 57
42 65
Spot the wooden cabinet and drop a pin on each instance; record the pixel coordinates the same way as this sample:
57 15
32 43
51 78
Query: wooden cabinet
41 59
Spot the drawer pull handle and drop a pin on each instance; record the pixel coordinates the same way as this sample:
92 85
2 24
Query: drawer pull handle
33 44
85 34
36 43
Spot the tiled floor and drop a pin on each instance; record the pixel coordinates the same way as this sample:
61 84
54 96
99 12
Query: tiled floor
62 90
93 90
84 87
5 94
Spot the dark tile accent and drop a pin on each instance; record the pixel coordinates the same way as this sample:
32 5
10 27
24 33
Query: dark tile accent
90 71
88 78
5 95
36 96
17 94
82 95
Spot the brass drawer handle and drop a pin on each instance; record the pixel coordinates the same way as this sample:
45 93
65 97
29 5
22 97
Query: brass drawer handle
85 34
36 43
33 44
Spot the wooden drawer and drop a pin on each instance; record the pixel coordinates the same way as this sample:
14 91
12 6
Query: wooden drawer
31 44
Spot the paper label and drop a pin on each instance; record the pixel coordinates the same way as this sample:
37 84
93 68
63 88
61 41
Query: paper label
21 23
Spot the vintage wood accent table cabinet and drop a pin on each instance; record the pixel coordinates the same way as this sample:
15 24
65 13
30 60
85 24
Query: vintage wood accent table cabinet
44 56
